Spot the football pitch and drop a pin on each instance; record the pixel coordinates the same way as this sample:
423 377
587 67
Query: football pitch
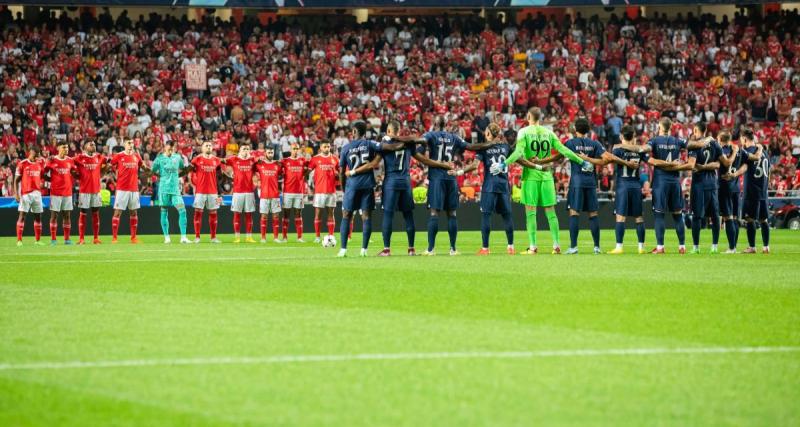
270 334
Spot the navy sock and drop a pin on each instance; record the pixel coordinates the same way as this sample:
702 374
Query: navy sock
452 230
619 231
433 230
640 232
660 228
344 230
751 234
730 232
486 226
573 231
386 228
765 233
367 233
508 222
411 229
696 224
738 226
714 230
594 226
680 228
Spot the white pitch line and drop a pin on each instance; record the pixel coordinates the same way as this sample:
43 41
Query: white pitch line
267 360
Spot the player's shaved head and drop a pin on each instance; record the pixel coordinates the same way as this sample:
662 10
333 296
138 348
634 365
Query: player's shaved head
628 132
666 124
582 126
534 114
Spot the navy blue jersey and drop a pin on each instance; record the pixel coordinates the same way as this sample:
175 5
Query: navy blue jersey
756 179
668 149
732 185
589 148
491 156
627 177
442 147
355 154
397 163
706 180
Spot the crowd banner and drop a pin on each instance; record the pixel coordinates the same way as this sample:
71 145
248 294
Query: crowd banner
196 77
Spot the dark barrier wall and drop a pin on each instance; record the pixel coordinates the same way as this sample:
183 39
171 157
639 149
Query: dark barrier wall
469 218
371 3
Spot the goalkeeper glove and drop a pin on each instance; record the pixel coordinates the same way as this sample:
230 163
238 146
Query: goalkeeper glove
586 166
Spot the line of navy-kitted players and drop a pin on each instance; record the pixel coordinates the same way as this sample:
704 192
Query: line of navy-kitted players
715 197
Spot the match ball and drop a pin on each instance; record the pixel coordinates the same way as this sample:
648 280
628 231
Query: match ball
328 241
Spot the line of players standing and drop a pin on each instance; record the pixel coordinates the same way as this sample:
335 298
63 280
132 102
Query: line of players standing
712 194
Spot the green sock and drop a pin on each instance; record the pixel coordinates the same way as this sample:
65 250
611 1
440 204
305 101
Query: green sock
530 225
165 222
182 221
552 220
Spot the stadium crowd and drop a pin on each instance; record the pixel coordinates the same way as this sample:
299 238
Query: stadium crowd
105 80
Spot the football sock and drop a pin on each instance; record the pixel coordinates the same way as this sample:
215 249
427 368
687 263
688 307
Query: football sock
114 227
530 226
751 234
508 224
386 228
452 230
594 227
198 222
680 228
182 221
696 224
367 233
730 232
212 224
715 230
552 220
660 228
433 229
165 222
640 233
344 231
96 223
573 231
411 229
619 231
765 233
81 225
486 226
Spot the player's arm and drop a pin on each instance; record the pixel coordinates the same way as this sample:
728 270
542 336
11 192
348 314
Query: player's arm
469 168
427 161
613 158
754 157
478 147
739 172
641 149
519 151
391 146
547 160
698 143
707 167
595 161
690 164
663 164
410 139
561 148
727 161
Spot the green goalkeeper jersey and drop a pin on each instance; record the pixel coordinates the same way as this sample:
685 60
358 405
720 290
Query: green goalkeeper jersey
168 169
537 141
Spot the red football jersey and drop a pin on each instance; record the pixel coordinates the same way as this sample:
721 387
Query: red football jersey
89 170
31 176
127 168
242 173
324 173
205 174
60 176
268 173
294 179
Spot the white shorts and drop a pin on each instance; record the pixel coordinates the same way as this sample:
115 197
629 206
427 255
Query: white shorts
89 200
292 201
270 206
126 200
206 201
60 203
31 202
325 200
243 202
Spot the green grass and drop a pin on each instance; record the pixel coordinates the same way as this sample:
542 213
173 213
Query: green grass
153 302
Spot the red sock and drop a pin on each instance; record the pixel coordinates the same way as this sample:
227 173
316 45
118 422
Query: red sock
198 222
317 226
352 224
81 225
331 226
237 222
96 224
53 230
37 230
285 227
134 221
298 226
212 223
263 227
276 227
248 222
20 228
67 229
114 227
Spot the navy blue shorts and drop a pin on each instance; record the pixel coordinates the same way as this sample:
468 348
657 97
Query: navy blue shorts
628 201
755 209
667 197
728 203
705 203
582 199
358 199
443 195
499 203
397 197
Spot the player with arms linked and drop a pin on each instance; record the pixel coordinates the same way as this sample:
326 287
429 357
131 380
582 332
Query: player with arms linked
91 165
356 162
729 192
628 185
756 181
204 178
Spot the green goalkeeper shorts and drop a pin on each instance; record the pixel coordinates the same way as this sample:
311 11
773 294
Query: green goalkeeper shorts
170 200
538 193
